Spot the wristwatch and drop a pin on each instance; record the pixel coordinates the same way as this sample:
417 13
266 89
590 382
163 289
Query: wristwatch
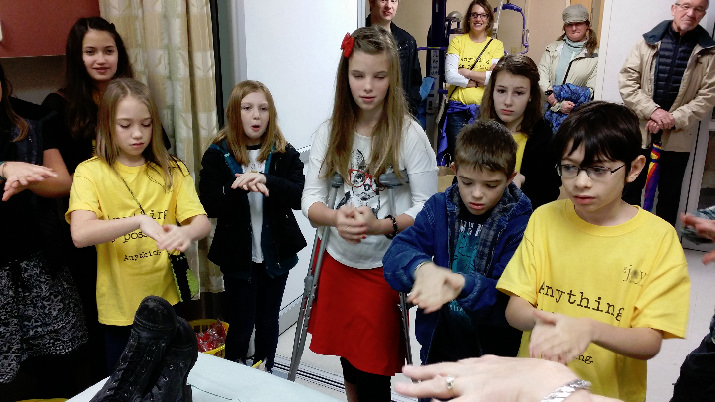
548 92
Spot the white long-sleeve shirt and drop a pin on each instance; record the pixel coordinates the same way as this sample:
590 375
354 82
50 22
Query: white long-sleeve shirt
416 157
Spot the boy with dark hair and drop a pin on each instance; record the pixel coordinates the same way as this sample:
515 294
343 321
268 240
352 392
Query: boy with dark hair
598 283
452 257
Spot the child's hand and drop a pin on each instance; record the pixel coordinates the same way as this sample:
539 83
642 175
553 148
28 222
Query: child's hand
252 181
705 228
19 175
349 226
151 228
558 337
519 179
365 215
434 286
175 238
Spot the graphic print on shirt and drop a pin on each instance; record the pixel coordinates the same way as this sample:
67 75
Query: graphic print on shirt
465 255
364 189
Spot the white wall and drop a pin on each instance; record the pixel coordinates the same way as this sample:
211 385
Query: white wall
624 22
294 48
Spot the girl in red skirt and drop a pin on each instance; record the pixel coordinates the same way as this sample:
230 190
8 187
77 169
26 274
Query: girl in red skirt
370 132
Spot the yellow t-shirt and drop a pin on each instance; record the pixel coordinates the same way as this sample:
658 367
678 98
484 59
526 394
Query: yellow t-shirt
468 51
131 267
632 275
520 139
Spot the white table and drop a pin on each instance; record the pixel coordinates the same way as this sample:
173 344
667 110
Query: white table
214 379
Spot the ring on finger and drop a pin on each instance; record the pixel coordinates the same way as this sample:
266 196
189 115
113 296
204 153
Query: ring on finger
450 384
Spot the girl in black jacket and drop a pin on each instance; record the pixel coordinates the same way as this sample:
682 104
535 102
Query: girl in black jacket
250 180
513 98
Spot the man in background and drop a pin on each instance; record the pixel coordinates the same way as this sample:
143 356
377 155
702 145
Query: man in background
668 81
381 13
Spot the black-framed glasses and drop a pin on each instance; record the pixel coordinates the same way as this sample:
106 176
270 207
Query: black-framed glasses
479 16
593 172
688 7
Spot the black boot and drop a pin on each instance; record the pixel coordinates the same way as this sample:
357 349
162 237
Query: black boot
179 359
153 330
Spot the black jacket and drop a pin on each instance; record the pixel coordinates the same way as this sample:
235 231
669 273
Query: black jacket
410 71
232 243
538 165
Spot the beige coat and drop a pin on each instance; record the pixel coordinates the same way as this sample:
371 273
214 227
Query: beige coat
582 72
695 99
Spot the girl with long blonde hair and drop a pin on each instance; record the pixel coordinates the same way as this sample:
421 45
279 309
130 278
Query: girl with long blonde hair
369 133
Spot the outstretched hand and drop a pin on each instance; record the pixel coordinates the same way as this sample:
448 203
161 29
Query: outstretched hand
705 228
489 378
558 337
434 286
20 175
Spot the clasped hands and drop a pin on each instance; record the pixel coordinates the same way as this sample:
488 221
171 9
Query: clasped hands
660 120
558 337
355 223
251 181
168 237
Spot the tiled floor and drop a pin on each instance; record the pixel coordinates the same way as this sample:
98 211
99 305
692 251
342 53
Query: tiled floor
662 370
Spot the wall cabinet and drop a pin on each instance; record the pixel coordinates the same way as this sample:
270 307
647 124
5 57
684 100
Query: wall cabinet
40 27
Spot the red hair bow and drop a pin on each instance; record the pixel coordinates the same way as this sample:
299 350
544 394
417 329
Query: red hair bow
347 45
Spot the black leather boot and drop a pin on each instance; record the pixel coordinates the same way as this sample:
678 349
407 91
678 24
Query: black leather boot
153 330
179 359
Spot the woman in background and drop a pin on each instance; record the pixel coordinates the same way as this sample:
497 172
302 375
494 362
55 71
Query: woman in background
571 59
467 68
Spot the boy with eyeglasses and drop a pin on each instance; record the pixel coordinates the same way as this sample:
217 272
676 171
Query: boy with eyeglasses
598 283
451 258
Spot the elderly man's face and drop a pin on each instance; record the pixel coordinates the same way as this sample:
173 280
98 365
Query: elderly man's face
687 14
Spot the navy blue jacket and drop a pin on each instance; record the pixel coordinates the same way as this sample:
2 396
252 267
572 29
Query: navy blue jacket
231 248
432 237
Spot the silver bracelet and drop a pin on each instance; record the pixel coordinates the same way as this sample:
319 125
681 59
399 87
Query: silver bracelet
566 390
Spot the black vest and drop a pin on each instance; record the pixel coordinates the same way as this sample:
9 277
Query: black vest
673 56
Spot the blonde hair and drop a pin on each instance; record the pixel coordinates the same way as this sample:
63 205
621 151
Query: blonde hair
387 134
106 149
233 132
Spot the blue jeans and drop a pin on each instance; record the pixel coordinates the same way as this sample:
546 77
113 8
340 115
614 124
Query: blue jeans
254 302
455 122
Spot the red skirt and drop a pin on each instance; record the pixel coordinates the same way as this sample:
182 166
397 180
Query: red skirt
356 315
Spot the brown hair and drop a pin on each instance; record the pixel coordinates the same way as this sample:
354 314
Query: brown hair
486 145
107 148
387 134
233 133
522 65
487 8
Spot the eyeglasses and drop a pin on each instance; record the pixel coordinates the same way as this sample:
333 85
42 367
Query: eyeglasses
687 7
593 172
388 1
477 16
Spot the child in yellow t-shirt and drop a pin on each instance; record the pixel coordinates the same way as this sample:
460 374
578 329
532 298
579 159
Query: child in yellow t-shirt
598 283
127 201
